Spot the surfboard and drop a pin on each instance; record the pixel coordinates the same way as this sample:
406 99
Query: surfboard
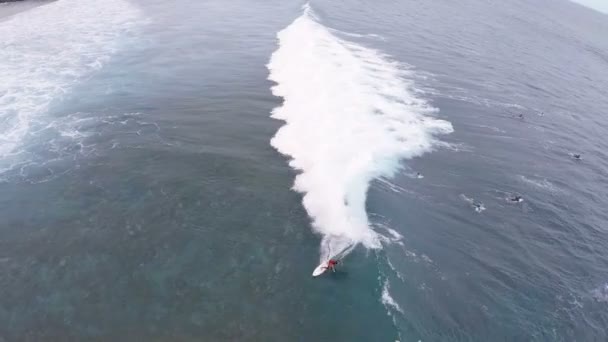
323 266
320 269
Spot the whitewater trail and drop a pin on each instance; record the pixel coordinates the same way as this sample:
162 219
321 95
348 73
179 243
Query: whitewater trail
351 115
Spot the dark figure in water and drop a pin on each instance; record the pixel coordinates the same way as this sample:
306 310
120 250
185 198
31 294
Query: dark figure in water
576 156
521 116
516 199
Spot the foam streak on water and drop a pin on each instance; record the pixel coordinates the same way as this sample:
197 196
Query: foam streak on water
387 299
45 51
351 115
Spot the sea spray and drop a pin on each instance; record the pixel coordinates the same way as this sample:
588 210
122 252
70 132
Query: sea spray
351 115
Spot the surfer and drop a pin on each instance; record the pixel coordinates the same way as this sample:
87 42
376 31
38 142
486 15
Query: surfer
331 265
576 156
324 266
516 199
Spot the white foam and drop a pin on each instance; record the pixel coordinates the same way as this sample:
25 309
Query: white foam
46 50
351 115
601 293
392 187
387 299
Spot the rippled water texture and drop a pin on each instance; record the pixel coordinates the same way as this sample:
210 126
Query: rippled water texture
174 171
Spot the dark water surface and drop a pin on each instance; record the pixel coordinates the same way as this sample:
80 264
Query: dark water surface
145 203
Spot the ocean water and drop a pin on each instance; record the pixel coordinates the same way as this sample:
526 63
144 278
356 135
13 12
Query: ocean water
174 171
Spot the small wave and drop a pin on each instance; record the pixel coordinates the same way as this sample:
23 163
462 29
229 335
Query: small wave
539 183
387 234
492 128
357 35
463 95
351 115
386 183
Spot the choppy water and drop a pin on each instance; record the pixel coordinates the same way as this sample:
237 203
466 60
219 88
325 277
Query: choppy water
146 193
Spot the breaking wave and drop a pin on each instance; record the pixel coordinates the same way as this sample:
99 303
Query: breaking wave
351 115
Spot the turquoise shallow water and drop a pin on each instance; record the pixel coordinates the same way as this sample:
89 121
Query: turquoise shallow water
140 198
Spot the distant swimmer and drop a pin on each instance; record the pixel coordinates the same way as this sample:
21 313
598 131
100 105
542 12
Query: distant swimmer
577 156
478 206
516 199
419 175
331 265
521 116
